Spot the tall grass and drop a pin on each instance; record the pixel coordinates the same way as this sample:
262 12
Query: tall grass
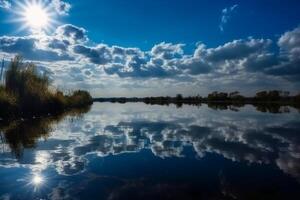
8 103
27 92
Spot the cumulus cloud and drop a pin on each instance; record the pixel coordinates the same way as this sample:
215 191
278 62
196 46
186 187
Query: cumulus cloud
164 60
45 47
232 56
288 69
236 49
169 60
289 44
167 51
55 43
100 54
5 4
27 46
259 62
129 62
226 15
71 33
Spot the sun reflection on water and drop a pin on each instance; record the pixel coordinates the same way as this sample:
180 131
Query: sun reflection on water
41 163
37 180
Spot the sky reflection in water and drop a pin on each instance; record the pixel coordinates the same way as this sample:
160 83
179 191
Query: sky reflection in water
137 151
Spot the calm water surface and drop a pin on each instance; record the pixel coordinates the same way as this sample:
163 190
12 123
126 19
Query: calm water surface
138 151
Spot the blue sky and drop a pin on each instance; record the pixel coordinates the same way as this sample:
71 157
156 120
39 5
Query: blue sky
160 47
148 22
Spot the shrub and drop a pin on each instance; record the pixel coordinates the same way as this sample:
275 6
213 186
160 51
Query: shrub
79 98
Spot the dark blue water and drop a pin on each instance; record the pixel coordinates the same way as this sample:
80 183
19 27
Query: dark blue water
138 151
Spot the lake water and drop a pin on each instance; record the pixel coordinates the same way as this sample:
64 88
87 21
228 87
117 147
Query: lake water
139 151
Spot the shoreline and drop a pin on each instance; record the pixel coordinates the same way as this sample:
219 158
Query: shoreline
280 106
251 101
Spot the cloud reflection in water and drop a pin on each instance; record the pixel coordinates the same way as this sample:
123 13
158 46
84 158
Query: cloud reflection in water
112 129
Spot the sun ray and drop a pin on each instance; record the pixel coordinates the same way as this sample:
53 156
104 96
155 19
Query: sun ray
34 15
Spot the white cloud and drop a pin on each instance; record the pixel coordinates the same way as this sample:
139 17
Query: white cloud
5 4
71 33
289 43
28 47
226 15
167 51
61 7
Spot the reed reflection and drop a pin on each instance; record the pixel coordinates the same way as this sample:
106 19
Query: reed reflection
24 133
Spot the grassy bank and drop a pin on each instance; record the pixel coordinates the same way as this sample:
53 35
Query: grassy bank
27 92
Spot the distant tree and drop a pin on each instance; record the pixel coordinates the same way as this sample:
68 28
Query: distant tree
274 95
217 96
223 95
297 98
261 95
234 94
179 97
285 94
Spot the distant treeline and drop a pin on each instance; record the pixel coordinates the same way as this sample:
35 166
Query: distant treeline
26 92
264 100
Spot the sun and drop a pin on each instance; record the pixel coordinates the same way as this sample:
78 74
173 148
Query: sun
36 16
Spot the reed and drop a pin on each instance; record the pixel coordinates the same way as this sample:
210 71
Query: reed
26 92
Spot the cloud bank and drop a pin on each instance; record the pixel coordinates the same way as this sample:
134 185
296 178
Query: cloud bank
252 60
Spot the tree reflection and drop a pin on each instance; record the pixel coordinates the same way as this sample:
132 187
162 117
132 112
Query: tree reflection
24 133
266 108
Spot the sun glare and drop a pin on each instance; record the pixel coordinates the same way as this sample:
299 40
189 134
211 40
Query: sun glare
36 17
